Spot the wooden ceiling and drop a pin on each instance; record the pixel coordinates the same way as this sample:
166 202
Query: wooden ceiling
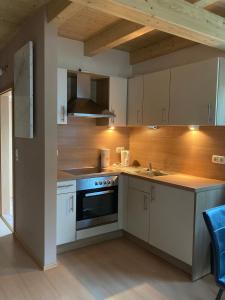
104 24
13 13
92 26
85 22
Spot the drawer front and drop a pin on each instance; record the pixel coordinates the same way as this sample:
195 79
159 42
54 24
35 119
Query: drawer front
140 184
64 187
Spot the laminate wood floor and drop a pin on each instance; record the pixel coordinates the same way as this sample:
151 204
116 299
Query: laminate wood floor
113 270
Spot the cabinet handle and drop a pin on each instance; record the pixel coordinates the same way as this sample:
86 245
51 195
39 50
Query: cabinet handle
113 118
63 113
145 202
209 113
138 116
163 114
152 193
72 204
64 186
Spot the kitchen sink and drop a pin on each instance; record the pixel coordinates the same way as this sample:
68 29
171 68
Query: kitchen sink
151 173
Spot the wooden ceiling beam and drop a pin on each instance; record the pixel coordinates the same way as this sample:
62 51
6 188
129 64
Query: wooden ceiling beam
163 47
59 11
205 3
117 34
166 46
177 17
125 31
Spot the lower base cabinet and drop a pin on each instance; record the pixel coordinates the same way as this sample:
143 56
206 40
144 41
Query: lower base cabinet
172 221
66 213
137 213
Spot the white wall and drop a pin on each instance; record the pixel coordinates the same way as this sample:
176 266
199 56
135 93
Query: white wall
112 62
35 171
178 58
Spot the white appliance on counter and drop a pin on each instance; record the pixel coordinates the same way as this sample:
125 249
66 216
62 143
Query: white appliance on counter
125 158
105 158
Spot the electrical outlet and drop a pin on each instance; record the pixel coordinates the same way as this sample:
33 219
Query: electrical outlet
217 159
119 149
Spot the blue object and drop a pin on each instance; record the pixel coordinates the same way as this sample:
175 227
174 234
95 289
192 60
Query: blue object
215 221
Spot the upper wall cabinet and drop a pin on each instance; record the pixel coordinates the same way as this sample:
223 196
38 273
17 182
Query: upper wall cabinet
156 98
198 93
135 100
61 96
118 100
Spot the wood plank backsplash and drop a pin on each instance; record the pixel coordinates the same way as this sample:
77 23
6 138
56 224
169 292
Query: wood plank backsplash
172 148
79 143
179 149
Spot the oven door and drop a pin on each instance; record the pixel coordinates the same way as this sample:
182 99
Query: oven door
97 207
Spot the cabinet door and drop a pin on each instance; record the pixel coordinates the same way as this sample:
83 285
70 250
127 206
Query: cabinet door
156 98
66 218
194 93
135 101
118 100
138 214
61 96
172 221
122 205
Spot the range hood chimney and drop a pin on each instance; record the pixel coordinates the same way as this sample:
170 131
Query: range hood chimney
83 105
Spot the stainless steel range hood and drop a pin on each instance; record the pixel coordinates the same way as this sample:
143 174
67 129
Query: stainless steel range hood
83 105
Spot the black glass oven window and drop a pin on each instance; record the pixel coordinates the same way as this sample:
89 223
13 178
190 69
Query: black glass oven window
91 206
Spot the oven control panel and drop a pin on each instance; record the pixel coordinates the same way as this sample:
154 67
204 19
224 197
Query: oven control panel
96 182
108 182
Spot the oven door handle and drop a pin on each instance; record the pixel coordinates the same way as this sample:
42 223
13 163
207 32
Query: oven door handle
99 193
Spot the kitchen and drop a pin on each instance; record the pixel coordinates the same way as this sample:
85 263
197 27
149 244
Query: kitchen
169 178
118 148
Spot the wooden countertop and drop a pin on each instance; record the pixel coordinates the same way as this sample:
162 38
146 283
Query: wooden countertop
187 182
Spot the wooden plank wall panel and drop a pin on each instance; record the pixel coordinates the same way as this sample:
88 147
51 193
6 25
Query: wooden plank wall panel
179 149
79 143
170 148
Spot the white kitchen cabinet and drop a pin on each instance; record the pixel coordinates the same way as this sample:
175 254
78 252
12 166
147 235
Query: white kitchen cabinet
138 213
197 93
135 101
61 96
118 100
66 212
122 201
156 98
172 221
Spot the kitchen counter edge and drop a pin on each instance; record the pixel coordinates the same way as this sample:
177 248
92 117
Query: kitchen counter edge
210 184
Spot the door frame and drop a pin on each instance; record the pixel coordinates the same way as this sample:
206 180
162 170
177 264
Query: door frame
2 92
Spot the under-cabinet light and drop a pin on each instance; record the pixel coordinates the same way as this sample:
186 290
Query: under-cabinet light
153 127
193 127
111 127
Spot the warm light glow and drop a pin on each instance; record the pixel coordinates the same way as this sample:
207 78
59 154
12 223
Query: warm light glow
111 128
193 127
153 127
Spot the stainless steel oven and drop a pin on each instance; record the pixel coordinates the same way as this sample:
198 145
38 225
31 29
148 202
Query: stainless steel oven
97 201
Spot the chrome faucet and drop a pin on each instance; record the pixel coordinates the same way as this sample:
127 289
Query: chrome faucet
150 169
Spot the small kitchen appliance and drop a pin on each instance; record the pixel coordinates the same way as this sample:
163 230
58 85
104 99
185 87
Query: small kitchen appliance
125 158
105 158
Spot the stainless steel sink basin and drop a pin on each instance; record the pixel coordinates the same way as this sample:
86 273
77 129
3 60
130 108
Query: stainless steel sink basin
151 173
